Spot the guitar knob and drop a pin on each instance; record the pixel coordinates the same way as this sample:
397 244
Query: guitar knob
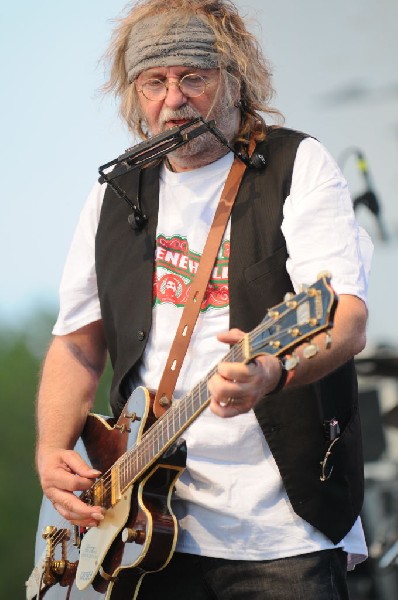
133 417
130 535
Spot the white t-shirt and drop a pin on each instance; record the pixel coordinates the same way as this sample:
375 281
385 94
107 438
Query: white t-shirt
230 502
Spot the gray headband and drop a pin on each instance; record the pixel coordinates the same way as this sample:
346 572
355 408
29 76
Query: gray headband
189 45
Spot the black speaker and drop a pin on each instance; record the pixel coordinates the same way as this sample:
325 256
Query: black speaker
374 440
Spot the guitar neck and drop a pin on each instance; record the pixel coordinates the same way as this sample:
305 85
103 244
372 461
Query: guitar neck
168 428
286 325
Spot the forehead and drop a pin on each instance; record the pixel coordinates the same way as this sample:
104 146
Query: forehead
176 71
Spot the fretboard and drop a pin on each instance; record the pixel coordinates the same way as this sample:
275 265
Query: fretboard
168 428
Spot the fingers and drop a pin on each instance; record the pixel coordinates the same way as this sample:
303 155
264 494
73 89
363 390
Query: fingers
228 408
74 510
72 473
233 389
233 336
65 469
237 387
63 472
75 463
238 373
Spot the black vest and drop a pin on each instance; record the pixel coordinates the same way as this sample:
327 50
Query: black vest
292 421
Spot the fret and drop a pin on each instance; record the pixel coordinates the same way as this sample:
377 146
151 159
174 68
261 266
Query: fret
169 428
180 408
131 467
157 442
115 485
122 467
202 392
173 422
236 353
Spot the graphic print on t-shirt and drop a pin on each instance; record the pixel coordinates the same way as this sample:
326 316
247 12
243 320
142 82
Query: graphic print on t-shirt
175 269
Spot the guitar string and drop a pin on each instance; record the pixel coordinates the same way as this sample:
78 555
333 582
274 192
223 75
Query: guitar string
147 440
148 437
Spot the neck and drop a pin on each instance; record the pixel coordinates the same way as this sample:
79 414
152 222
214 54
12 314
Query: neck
188 163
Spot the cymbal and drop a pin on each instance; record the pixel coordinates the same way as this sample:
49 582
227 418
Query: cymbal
382 366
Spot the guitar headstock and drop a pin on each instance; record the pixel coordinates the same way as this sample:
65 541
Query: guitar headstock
295 320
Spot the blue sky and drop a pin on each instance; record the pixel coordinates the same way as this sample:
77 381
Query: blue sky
335 76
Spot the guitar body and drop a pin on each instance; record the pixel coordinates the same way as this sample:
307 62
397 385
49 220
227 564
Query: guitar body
138 534
154 527
140 458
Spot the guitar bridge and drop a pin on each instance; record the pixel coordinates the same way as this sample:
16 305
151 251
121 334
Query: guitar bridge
55 569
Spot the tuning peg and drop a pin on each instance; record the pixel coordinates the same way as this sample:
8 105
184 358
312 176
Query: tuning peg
275 344
310 350
291 303
273 314
291 362
288 296
328 340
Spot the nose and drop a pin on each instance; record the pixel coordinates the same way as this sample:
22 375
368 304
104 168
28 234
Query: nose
174 96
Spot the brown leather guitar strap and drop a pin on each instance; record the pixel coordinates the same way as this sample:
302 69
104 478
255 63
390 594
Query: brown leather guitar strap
191 310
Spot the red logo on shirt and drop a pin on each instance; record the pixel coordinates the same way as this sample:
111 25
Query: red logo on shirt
175 268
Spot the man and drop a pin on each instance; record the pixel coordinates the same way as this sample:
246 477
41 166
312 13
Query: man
257 516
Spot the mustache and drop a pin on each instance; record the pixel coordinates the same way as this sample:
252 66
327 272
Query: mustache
184 112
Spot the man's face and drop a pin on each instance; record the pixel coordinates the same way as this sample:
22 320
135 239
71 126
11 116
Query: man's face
178 109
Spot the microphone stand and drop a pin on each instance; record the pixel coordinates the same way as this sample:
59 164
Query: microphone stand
142 154
390 557
368 198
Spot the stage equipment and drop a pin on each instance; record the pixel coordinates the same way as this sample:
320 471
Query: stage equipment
368 198
155 148
377 577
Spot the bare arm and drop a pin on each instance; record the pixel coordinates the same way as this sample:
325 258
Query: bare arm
70 375
247 384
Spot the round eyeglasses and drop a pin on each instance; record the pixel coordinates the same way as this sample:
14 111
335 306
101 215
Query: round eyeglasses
191 85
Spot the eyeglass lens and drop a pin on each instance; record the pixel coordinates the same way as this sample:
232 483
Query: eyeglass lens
191 85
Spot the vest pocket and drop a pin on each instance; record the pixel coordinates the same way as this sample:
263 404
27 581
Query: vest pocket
267 266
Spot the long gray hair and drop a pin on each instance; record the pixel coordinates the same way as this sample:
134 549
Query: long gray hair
240 56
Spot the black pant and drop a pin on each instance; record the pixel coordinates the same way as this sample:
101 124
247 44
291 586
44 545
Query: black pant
314 576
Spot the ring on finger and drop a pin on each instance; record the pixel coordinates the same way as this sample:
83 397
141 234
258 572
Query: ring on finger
228 402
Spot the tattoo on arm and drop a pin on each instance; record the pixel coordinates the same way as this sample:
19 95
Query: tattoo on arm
78 354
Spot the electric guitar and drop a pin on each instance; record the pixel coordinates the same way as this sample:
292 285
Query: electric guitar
141 458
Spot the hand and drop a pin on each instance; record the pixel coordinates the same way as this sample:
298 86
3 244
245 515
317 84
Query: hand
237 387
63 472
